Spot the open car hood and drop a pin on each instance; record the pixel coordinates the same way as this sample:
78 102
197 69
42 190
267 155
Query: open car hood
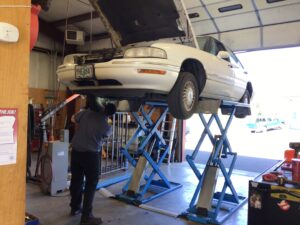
132 21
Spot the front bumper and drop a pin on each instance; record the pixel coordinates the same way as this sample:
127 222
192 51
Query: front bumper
123 74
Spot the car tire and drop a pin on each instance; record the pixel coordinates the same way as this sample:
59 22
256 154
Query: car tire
183 98
245 99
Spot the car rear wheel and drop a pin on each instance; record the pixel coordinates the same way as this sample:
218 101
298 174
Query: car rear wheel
245 99
183 98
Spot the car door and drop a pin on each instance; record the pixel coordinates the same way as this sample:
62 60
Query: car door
221 77
240 75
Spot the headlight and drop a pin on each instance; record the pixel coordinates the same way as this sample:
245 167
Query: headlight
69 59
145 52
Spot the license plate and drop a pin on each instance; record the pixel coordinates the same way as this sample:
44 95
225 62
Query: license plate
84 72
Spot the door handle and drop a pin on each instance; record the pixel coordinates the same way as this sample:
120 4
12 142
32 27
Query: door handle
230 65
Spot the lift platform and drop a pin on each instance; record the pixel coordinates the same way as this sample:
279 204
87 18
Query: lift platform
142 187
208 206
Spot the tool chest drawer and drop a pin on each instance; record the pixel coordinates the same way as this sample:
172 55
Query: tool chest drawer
270 204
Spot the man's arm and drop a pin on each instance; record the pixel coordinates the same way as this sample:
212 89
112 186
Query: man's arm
76 117
107 128
108 131
73 118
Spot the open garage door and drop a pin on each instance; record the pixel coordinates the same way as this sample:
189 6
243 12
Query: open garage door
247 24
275 119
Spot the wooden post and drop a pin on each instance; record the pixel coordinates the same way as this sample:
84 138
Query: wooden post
14 72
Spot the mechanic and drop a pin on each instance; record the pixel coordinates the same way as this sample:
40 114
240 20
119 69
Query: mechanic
85 157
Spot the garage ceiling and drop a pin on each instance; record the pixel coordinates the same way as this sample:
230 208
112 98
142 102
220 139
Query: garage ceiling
241 24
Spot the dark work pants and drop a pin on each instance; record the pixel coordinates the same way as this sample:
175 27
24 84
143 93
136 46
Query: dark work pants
84 164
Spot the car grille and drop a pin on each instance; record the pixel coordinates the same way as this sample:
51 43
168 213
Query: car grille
101 56
108 82
105 82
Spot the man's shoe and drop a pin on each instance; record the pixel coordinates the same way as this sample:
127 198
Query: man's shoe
91 220
75 212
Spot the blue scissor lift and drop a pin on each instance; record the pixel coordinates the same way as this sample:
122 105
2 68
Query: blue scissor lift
208 206
141 187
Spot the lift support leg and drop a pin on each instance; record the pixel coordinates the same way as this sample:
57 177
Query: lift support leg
207 209
137 189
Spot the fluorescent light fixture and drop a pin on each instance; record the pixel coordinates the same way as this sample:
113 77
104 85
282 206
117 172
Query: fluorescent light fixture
193 15
230 8
273 1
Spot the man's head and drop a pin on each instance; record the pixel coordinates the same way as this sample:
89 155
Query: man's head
92 104
109 109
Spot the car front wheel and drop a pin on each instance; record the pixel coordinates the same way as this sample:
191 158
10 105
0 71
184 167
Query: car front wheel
183 98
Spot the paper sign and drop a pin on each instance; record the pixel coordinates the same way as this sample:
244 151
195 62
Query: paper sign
8 136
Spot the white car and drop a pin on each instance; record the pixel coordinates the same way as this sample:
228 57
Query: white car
161 71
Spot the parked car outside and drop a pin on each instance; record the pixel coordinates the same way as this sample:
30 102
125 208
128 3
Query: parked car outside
161 71
263 124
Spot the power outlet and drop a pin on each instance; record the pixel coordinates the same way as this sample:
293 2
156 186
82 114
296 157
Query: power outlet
8 32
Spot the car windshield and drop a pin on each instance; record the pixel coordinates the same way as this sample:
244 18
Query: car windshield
203 43
210 45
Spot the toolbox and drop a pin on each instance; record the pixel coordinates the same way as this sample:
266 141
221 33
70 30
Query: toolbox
271 204
31 220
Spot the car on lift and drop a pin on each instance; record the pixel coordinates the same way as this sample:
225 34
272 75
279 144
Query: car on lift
146 67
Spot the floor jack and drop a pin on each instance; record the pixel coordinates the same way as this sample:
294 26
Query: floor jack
215 207
141 187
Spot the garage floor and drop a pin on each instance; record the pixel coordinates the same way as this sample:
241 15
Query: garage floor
55 210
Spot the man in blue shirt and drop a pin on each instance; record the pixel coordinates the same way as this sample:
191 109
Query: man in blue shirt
86 155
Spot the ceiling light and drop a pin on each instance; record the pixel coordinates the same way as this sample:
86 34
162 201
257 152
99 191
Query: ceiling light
230 8
273 1
193 15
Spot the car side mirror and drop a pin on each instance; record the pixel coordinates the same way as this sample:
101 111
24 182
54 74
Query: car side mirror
223 55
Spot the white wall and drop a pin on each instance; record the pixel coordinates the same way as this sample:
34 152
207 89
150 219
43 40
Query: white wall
44 41
42 71
43 64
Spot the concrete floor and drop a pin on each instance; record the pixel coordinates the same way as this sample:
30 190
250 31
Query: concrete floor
55 210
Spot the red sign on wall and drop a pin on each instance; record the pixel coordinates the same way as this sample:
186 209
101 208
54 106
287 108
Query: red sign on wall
8 135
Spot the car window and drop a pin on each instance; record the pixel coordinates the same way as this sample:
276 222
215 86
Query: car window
233 58
220 47
213 46
206 44
210 45
202 43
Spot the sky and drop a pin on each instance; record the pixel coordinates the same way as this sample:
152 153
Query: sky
274 72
